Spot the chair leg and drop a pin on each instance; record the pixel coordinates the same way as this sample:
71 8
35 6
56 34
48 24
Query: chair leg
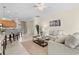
10 40
6 40
14 37
3 48
17 36
3 51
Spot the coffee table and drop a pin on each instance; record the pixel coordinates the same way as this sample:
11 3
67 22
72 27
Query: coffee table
40 42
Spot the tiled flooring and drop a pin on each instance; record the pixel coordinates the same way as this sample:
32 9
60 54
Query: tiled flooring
15 48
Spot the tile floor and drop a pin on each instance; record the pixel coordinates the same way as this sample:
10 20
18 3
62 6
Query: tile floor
15 48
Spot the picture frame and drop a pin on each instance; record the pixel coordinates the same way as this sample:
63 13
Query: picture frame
55 23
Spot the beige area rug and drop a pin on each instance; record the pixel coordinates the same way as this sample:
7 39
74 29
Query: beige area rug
34 48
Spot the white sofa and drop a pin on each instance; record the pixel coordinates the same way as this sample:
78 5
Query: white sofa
60 49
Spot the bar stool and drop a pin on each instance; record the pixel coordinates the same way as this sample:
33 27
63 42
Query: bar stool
10 38
17 36
5 41
4 47
13 36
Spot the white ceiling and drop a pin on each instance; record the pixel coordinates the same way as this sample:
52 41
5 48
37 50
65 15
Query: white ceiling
27 10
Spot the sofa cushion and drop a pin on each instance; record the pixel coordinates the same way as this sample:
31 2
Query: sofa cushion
71 41
60 49
52 38
60 39
76 35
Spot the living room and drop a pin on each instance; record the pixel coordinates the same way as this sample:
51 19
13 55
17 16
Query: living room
40 28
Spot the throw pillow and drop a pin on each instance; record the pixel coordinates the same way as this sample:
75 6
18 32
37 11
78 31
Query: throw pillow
71 41
60 39
76 35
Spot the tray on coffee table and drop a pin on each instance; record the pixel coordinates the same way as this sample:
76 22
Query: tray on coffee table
40 42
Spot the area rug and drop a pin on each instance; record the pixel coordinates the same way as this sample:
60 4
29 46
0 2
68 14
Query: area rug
35 49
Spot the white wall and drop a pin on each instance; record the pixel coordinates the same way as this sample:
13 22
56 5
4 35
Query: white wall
69 20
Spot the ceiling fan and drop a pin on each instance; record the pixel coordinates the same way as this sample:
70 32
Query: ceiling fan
40 6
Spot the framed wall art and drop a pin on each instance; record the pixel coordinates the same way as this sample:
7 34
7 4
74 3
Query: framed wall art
55 23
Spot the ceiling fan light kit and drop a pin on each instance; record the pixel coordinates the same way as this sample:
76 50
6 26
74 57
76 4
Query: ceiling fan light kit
40 6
